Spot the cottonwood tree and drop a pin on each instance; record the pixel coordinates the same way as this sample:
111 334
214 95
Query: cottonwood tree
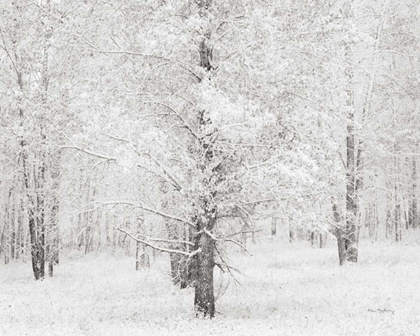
195 123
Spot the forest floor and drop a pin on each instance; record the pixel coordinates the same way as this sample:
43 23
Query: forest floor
286 289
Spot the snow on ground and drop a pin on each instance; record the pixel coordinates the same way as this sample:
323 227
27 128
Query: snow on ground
286 289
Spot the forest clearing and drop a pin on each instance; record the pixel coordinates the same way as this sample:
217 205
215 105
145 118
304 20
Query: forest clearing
286 289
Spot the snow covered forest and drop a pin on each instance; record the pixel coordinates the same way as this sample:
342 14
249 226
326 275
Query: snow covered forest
209 167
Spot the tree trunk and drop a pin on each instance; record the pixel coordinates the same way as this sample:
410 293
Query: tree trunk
142 258
203 261
397 222
322 240
397 200
37 247
413 212
204 289
350 235
339 235
273 226
50 259
181 266
342 250
291 234
55 209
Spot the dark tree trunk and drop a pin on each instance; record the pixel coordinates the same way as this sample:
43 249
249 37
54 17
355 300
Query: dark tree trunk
291 235
413 212
55 209
397 223
37 247
342 250
322 240
35 214
243 241
180 264
339 235
142 258
313 238
181 270
50 258
203 261
397 200
350 236
350 233
204 288
273 226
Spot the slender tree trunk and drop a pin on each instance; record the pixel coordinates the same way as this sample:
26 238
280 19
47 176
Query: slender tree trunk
350 232
273 226
142 258
243 241
55 209
397 209
397 222
292 235
81 222
88 220
8 232
413 212
19 249
50 259
339 235
107 229
322 240
181 266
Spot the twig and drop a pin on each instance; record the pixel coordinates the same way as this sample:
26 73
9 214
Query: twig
239 244
186 125
247 231
115 137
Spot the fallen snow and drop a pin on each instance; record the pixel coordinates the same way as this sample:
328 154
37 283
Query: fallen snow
286 289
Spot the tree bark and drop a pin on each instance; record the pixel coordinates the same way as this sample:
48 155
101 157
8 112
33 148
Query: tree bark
413 213
339 235
350 233
273 226
204 287
322 240
55 209
142 258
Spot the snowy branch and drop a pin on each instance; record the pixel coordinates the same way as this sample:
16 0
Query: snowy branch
186 125
156 212
86 151
162 249
135 53
165 240
239 244
212 236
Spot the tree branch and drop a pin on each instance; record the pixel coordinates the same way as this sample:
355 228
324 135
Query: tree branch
165 240
186 125
86 151
239 244
162 249
156 212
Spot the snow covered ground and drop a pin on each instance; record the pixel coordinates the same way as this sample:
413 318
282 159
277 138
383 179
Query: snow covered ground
286 289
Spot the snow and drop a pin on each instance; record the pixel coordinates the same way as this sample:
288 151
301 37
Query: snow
286 289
